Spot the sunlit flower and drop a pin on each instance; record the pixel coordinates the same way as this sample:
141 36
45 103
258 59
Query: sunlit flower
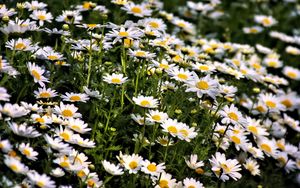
28 151
42 181
37 73
252 166
117 79
146 101
112 169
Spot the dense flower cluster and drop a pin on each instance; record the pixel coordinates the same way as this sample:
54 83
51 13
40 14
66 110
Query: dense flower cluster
88 99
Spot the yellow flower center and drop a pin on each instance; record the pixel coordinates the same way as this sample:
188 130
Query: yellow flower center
40 120
287 103
203 67
236 139
133 165
163 184
184 132
177 58
181 24
91 25
86 5
156 117
291 74
253 129
199 171
36 75
266 21
280 145
163 142
152 167
172 129
52 57
266 148
65 136
45 95
41 17
91 183
64 164
40 184
164 66
14 167
128 42
75 98
203 85
116 80
154 24
67 113
140 54
236 62
260 109
20 46
256 65
123 34
191 186
145 103
26 152
225 168
273 63
81 174
233 116
182 76
253 30
271 104
136 10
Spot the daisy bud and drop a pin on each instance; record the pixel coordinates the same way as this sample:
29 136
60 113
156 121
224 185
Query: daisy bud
229 99
66 27
194 124
20 6
5 18
256 90
194 111
108 63
199 171
113 129
104 16
91 167
158 71
178 111
221 80
43 127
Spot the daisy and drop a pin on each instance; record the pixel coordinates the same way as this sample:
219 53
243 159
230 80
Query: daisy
186 133
152 168
239 139
120 2
67 111
228 91
252 166
272 60
156 116
153 23
223 168
37 73
92 93
42 181
140 119
141 54
15 165
87 5
165 141
86 143
64 133
256 152
294 124
4 96
70 17
35 5
116 79
139 10
45 93
13 110
57 172
253 126
163 64
266 21
43 120
132 163
75 97
121 33
186 26
232 115
112 169
292 50
269 147
252 30
202 86
291 73
23 130
205 68
191 182
271 102
57 144
28 151
171 126
78 125
145 101
20 45
163 180
5 146
41 16
193 162
181 74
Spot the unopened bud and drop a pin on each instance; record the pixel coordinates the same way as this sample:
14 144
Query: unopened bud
178 111
5 18
256 90
66 27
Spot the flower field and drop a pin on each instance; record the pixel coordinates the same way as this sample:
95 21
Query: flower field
153 93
